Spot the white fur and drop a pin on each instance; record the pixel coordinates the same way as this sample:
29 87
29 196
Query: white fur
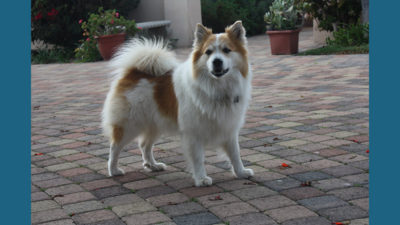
217 54
208 115
148 55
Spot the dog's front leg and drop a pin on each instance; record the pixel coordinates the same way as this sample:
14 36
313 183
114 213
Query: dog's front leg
194 152
232 149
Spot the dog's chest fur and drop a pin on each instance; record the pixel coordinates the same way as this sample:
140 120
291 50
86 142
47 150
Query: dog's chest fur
210 109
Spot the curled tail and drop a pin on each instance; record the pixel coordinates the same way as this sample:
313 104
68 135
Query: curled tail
148 55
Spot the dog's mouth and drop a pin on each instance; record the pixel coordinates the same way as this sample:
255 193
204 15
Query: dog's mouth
220 73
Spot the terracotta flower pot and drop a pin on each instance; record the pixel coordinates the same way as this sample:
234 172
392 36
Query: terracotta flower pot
108 44
284 42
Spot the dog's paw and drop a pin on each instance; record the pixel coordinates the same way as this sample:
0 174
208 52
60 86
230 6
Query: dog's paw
155 167
116 172
245 173
205 181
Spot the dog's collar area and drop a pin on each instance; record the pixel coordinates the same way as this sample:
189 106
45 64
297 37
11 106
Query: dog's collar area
228 100
236 99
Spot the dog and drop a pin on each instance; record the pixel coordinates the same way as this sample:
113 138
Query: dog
203 100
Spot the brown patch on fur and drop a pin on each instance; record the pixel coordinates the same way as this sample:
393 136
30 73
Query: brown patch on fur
117 133
165 97
238 46
164 93
201 47
129 80
200 50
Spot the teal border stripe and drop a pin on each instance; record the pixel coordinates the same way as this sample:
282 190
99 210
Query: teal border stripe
384 112
16 112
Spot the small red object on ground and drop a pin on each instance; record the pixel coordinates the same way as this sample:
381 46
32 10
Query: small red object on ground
216 198
306 184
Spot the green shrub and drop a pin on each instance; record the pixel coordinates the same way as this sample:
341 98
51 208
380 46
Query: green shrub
56 21
218 14
350 35
54 55
331 13
87 51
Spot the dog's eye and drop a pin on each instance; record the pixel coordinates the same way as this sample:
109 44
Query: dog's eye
208 52
226 50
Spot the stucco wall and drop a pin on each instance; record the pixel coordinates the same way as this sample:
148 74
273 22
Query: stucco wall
148 10
183 14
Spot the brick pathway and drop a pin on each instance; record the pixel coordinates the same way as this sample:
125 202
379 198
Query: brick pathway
308 112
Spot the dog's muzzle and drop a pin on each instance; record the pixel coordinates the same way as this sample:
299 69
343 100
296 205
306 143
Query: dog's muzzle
220 73
218 66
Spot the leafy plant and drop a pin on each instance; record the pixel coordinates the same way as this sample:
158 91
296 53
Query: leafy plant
217 14
350 35
331 14
254 20
284 15
104 22
87 51
54 21
107 22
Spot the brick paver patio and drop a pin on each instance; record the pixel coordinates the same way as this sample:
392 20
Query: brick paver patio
309 112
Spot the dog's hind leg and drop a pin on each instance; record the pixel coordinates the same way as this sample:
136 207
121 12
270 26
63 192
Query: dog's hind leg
146 143
120 138
113 169
232 149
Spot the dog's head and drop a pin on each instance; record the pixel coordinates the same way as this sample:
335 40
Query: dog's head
219 55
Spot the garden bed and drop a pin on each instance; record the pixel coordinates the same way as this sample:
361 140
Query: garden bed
337 50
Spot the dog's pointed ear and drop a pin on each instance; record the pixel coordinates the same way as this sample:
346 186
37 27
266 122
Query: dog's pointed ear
201 33
236 31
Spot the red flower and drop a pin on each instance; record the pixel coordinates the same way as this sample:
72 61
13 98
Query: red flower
87 39
80 21
112 22
117 14
38 16
53 12
140 28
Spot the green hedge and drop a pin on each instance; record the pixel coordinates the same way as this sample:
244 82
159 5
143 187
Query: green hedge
217 14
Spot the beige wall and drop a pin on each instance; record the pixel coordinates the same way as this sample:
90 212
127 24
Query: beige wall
183 14
148 10
320 36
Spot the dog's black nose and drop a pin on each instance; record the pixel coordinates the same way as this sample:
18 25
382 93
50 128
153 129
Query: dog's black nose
217 63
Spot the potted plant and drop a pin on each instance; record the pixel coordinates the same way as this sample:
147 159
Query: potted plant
284 21
109 28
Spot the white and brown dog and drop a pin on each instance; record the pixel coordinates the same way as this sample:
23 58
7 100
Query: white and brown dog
203 99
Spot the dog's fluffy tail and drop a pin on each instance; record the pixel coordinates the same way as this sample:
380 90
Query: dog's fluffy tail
148 55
